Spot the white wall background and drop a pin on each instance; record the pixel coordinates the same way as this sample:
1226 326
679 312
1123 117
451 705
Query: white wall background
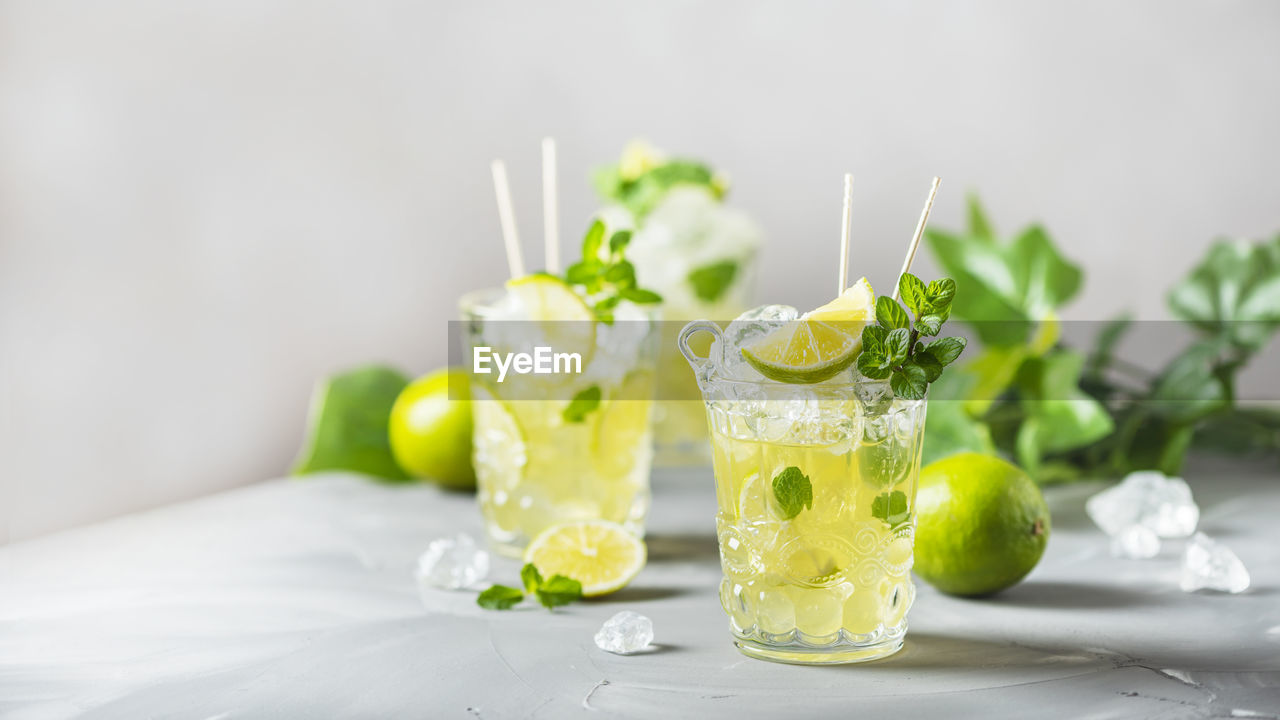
206 205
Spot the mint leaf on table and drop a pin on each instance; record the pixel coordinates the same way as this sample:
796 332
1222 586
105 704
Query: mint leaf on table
891 508
558 590
793 492
530 577
499 597
582 404
551 593
710 282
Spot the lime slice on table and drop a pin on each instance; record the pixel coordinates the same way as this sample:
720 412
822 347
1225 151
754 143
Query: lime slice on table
624 421
347 424
820 344
601 555
566 322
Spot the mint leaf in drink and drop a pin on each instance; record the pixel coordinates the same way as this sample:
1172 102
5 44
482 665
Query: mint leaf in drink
606 279
929 325
582 404
929 364
710 282
897 345
890 315
621 273
891 508
909 381
793 491
558 590
499 597
530 577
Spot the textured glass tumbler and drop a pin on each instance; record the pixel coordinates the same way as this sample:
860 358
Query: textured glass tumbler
537 462
815 486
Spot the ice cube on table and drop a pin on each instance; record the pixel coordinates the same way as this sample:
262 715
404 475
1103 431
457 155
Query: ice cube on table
1136 542
1149 498
452 563
1210 565
625 633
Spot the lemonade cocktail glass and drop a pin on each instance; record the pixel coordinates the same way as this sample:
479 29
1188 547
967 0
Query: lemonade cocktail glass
827 580
540 463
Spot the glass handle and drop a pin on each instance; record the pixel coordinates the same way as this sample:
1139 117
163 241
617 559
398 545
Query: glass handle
688 332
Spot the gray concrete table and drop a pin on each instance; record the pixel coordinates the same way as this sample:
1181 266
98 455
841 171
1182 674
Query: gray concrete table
294 598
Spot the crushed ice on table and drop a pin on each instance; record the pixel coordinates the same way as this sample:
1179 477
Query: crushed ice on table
625 633
1136 542
1148 498
1209 565
452 563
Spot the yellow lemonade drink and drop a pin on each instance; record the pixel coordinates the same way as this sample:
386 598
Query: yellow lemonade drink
555 448
817 427
815 523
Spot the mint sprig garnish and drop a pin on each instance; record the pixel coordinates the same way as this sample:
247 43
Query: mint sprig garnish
606 275
551 593
892 348
793 491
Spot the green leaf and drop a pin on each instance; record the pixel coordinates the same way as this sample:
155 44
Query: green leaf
582 404
559 590
931 366
640 296
873 337
621 274
890 315
979 226
910 382
710 282
1105 345
499 597
946 350
618 242
642 194
929 325
793 492
891 508
584 272
950 429
914 293
1234 292
896 345
592 241
1060 416
940 294
1044 279
1194 385
530 577
348 421
874 364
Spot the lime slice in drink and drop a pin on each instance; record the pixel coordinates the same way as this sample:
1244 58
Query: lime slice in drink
601 555
566 322
498 440
624 421
820 344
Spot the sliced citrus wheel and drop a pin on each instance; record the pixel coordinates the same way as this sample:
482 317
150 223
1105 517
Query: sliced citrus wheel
601 555
565 321
620 439
820 344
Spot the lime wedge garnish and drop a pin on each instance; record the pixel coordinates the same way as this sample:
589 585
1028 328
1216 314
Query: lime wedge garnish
820 344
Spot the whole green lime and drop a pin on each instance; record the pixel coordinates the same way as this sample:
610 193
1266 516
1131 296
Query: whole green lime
431 433
981 524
